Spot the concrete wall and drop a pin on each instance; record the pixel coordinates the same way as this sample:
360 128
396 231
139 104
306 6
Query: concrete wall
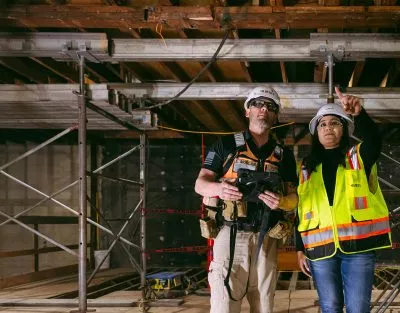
48 170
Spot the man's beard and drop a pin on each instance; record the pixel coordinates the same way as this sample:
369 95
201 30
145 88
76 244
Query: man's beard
263 124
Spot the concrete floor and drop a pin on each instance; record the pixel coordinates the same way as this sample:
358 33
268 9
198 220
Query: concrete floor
301 301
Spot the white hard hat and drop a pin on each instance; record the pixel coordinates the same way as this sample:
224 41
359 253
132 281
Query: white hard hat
266 92
331 109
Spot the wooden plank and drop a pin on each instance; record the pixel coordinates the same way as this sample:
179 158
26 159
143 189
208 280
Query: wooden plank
355 77
100 303
8 254
6 282
202 17
54 287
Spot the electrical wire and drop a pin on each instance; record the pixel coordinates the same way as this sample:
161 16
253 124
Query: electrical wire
214 133
214 57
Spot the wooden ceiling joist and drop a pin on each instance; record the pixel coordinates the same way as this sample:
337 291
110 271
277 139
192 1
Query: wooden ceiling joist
202 17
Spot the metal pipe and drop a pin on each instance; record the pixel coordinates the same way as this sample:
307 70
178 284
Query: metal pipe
82 188
384 154
93 195
39 234
118 158
114 242
33 150
388 184
67 207
330 78
38 203
143 192
133 262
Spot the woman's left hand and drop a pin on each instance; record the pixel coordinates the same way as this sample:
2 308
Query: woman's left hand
351 104
271 199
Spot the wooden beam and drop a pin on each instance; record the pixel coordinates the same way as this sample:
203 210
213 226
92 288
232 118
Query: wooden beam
281 63
244 65
11 77
385 2
202 17
12 254
355 77
61 69
392 75
329 2
320 67
29 70
41 275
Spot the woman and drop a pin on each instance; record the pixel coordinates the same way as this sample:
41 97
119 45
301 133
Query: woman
342 215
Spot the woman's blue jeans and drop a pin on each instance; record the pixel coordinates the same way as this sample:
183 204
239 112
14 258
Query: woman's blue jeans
344 279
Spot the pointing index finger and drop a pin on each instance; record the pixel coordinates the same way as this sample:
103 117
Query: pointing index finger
338 92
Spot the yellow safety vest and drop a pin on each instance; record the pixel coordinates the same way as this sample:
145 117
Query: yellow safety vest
358 221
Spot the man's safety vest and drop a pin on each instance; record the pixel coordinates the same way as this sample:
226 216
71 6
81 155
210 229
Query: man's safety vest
358 221
244 158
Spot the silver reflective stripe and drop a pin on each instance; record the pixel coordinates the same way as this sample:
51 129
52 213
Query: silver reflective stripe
210 158
346 231
308 215
317 237
239 165
304 173
354 159
239 140
359 201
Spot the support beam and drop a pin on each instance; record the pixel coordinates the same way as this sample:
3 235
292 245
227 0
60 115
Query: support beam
202 17
54 45
392 75
281 63
20 105
203 49
355 77
346 47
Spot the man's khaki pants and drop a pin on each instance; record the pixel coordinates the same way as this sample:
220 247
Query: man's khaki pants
260 277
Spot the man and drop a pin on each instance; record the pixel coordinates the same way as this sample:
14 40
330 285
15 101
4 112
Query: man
243 272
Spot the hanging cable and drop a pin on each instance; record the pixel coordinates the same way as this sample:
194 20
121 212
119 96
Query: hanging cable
214 133
212 60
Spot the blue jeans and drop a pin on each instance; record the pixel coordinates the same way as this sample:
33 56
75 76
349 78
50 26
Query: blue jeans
344 278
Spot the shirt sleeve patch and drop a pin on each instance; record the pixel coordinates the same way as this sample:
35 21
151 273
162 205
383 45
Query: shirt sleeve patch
210 158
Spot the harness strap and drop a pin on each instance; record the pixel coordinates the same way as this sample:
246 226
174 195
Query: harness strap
232 242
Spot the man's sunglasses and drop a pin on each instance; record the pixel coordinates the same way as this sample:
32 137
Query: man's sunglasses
260 103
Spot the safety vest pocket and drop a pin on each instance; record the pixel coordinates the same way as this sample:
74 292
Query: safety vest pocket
309 220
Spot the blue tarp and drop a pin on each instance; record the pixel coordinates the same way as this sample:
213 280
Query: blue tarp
165 275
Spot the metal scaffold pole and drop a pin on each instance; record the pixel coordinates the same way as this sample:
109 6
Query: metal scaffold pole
330 65
143 192
82 189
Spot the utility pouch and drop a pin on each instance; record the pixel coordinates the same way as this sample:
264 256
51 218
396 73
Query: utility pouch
283 230
230 209
208 227
280 230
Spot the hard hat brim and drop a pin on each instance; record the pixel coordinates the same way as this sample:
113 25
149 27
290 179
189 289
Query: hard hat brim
314 122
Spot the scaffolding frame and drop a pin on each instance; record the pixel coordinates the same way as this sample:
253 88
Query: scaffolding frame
83 281
80 54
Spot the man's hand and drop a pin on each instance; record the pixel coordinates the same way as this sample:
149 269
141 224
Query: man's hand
271 199
351 104
303 264
228 191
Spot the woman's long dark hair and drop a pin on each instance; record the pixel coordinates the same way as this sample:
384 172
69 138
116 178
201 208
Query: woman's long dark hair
317 149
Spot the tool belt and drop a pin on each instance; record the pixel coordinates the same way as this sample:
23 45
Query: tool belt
244 226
